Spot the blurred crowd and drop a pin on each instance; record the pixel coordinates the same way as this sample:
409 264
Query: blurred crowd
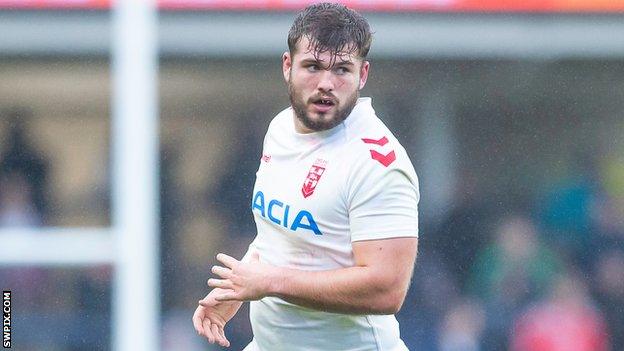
547 275
542 274
55 308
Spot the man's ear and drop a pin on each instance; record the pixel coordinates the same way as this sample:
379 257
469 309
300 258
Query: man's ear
286 65
364 74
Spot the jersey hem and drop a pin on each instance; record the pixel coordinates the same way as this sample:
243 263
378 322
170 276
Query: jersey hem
377 236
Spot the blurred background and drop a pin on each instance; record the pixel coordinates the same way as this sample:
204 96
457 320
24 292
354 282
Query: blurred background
511 111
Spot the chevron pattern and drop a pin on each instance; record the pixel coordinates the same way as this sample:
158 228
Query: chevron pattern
385 159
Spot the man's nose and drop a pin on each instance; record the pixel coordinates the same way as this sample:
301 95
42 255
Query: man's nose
326 81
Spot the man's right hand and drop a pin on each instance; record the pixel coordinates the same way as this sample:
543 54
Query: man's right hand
209 320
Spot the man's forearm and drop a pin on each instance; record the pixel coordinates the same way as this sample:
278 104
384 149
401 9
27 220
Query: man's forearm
353 290
376 284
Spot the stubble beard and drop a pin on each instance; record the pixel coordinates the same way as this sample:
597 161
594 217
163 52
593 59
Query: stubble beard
325 121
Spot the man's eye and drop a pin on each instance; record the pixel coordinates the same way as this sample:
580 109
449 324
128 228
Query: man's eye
313 68
342 70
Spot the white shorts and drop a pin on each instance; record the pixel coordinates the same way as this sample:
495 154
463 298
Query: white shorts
252 346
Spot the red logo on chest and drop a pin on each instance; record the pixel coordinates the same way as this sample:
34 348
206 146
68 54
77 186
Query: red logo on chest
314 176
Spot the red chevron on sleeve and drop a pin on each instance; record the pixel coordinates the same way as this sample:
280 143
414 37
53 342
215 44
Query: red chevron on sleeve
381 142
385 160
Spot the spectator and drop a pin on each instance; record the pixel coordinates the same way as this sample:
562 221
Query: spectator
23 204
462 327
426 302
609 292
26 169
17 208
566 321
609 210
566 210
22 182
462 234
509 273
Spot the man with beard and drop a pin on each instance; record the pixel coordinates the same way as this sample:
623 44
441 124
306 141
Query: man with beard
335 206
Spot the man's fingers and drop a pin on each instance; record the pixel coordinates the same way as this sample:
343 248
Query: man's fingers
221 283
218 332
207 332
226 342
197 322
215 331
232 296
228 261
213 301
222 272
207 303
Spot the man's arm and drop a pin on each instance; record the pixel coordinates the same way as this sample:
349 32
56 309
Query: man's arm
377 284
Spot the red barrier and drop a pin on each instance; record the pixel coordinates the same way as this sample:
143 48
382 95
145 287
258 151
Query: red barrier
364 5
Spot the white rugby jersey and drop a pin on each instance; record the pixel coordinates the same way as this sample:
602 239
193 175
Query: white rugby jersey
314 195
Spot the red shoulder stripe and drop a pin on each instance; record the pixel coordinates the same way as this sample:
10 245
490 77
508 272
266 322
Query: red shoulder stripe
381 142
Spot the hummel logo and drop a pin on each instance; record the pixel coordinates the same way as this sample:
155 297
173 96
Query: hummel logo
385 160
381 142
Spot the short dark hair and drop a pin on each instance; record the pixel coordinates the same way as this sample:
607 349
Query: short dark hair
331 27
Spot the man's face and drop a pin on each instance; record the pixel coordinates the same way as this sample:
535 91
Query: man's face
322 96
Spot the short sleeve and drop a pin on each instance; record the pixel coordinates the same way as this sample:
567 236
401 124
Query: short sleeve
383 200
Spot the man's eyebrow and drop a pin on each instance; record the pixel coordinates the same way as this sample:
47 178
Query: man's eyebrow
337 63
311 60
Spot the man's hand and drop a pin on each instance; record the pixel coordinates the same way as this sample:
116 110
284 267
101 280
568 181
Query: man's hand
211 316
243 281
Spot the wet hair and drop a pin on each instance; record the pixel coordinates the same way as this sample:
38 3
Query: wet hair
333 28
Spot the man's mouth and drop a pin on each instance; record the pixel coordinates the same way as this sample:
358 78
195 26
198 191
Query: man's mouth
323 102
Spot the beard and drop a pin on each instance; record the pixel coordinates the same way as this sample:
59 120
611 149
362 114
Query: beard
324 121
